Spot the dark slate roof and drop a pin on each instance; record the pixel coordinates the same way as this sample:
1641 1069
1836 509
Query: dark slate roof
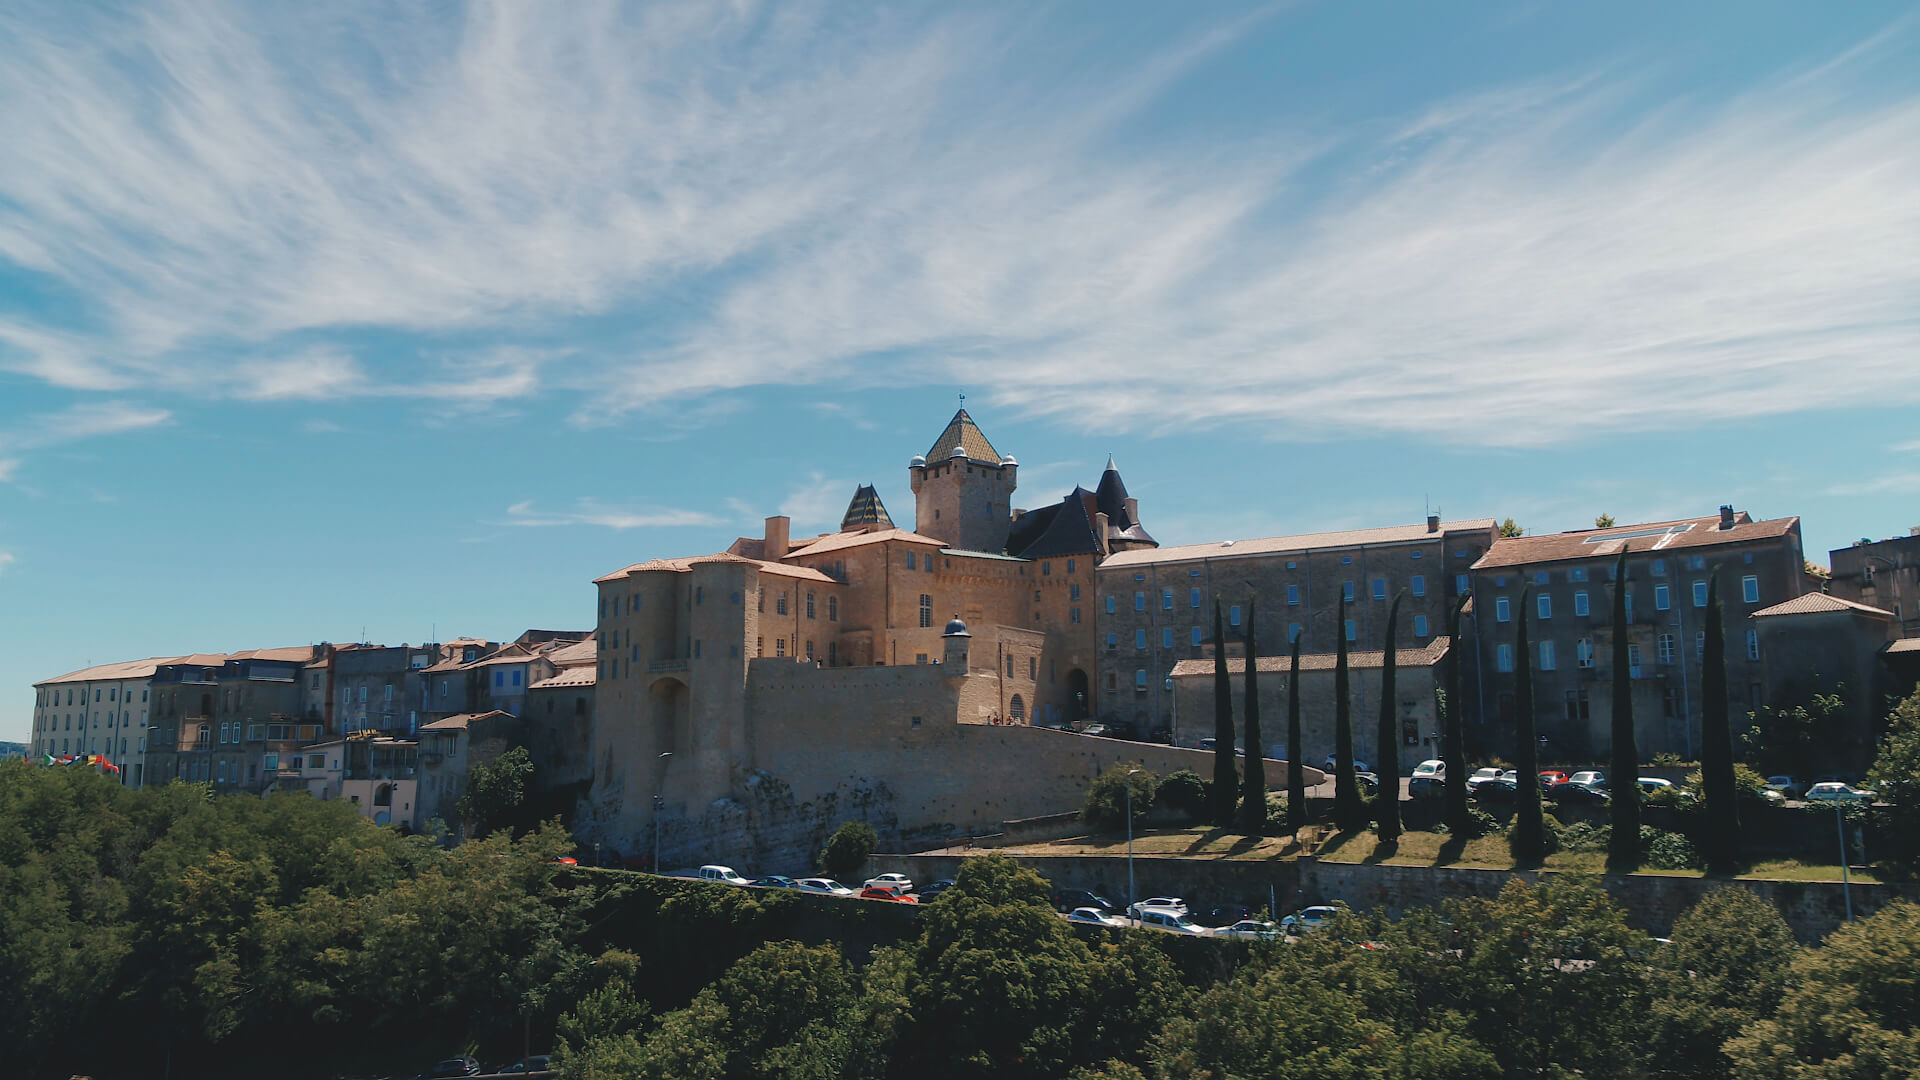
865 510
1111 500
1065 528
963 432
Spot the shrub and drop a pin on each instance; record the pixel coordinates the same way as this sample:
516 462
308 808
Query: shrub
1582 837
1663 850
1105 807
1668 761
847 849
1184 792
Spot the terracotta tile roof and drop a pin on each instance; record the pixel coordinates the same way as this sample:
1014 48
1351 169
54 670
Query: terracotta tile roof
1814 603
962 432
820 545
576 675
1905 645
1684 534
1227 549
1435 651
676 565
125 669
577 653
802 573
201 660
298 654
512 654
460 722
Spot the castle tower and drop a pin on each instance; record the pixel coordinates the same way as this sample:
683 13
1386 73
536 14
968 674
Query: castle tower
963 489
1122 513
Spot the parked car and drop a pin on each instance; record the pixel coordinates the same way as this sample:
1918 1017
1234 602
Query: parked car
1096 729
775 882
1498 789
932 890
536 1063
1764 795
1094 917
1255 929
1651 784
1227 914
1431 767
1369 783
1177 922
1589 778
1836 792
883 892
1358 765
896 882
823 885
1068 899
1786 785
566 860
1571 794
459 1066
726 874
1481 776
1427 787
1165 903
1552 778
1310 918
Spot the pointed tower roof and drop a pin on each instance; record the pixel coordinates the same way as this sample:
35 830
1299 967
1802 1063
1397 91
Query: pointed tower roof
865 512
964 433
1112 493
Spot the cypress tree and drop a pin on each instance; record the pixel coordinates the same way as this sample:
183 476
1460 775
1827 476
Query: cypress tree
1387 803
1528 839
1253 802
1296 780
1226 780
1453 740
1349 813
1716 742
1623 774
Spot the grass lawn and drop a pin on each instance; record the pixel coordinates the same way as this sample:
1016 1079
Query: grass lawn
1412 849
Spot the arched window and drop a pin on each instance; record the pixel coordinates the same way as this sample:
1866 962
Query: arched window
1017 708
383 795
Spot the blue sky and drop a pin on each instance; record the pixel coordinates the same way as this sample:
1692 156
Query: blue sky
405 321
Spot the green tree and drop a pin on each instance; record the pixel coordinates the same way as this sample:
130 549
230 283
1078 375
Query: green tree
848 848
1722 833
1226 778
1604 521
1386 806
1349 812
1253 799
1623 847
1851 1009
1788 736
1296 780
1528 839
785 1010
496 792
1105 806
1726 967
1185 793
599 1038
1453 739
1896 777
1509 529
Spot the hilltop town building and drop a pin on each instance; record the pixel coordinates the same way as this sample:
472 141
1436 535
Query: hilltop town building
98 710
1883 574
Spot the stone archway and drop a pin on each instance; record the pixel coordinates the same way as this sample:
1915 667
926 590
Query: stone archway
1079 696
668 716
1017 710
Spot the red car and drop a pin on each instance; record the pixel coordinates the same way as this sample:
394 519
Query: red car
567 860
1552 779
880 893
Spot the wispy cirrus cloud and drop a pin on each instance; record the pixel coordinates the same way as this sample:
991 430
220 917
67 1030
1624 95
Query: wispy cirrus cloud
86 420
698 200
6 559
592 512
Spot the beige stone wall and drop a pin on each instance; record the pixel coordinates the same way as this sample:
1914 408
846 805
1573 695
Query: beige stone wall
1413 687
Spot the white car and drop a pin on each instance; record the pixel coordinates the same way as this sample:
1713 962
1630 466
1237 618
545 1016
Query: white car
1256 929
723 874
1836 792
1172 921
1164 903
1651 784
824 885
1785 785
1094 916
1433 767
1481 776
901 884
1309 919
1589 778
1358 765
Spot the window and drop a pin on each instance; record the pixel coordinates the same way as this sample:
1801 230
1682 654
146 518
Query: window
1700 645
1578 573
1166 599
1583 652
809 648
1139 601
1419 584
1346 590
1293 595
1750 589
926 609
363 695
760 646
780 646
1196 637
1462 584
1580 604
389 693
1166 637
780 603
516 675
1753 644
1193 598
1659 568
1233 615
1113 680
1698 562
1502 610
1578 706
950 563
1419 626
1503 658
1633 661
833 609
1629 597
1663 647
1046 569
1546 656
1351 633
910 563
699 594
1545 605
1113 641
1070 564
1139 639
1140 679
1346 560
1543 577
1009 666
1110 605
1073 616
1073 591
809 605
1662 597
1699 594
1379 588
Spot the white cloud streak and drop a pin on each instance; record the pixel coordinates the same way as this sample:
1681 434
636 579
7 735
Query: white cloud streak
763 195
6 559
592 512
86 420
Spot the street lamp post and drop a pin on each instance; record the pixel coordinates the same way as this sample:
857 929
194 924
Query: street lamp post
1127 787
659 804
1846 886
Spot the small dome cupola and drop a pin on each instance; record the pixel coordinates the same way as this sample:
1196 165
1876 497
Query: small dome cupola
919 462
959 453
956 628
1007 459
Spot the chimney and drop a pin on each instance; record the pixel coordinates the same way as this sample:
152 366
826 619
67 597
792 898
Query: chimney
776 543
1133 510
1018 513
1726 517
1100 533
1433 523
